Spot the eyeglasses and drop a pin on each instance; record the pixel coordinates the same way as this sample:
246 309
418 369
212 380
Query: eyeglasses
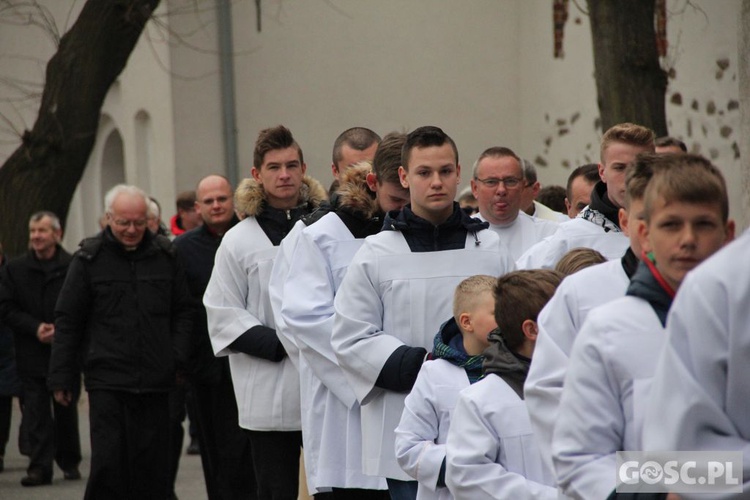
121 223
493 182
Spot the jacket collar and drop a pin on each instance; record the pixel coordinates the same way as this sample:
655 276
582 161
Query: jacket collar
250 197
511 367
405 220
648 284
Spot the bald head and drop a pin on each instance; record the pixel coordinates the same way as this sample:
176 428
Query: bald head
213 199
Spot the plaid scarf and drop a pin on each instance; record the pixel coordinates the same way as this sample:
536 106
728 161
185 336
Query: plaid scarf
449 346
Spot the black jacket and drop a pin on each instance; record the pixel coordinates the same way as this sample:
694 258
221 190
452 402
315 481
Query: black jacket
127 312
29 289
196 250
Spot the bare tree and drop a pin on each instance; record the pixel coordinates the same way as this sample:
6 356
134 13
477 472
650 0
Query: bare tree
630 83
46 168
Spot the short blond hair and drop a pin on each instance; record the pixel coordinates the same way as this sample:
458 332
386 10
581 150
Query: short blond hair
627 133
464 298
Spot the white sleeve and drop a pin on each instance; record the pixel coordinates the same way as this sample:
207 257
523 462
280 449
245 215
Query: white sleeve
590 426
558 327
416 450
472 471
544 254
696 382
360 344
276 292
225 299
308 315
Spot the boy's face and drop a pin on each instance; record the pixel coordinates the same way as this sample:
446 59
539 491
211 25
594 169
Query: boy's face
682 235
432 179
616 157
281 176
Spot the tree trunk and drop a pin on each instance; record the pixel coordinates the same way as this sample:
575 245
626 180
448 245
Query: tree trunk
743 51
630 83
42 174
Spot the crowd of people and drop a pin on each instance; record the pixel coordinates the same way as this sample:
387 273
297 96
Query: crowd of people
408 341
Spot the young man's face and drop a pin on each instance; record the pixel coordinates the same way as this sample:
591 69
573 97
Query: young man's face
616 157
389 195
477 323
682 235
281 176
351 156
499 204
580 190
432 179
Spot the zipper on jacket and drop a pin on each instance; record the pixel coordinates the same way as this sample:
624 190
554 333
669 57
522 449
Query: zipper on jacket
288 215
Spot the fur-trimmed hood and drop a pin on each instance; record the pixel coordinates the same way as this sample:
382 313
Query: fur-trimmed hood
250 196
353 192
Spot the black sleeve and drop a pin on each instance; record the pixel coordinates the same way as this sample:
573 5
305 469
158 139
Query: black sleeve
400 370
261 342
441 475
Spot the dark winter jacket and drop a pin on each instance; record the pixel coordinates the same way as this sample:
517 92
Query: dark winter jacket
423 236
29 289
196 250
127 312
648 284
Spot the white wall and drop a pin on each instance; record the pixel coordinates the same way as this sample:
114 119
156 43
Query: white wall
321 67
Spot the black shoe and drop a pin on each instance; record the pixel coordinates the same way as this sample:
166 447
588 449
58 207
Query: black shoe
72 474
36 478
2 464
193 448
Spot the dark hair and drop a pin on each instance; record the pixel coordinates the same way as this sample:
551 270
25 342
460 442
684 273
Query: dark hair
358 138
425 137
590 172
666 141
185 200
637 176
519 296
388 158
270 139
553 197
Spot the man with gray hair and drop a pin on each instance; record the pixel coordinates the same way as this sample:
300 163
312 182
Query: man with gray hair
29 288
125 310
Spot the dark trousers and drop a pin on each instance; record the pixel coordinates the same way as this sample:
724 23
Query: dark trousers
353 494
129 446
6 408
225 447
176 432
276 463
52 428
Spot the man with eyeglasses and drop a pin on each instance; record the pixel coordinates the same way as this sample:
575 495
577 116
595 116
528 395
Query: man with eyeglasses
125 311
497 183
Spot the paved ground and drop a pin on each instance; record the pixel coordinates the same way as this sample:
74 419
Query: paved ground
189 486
